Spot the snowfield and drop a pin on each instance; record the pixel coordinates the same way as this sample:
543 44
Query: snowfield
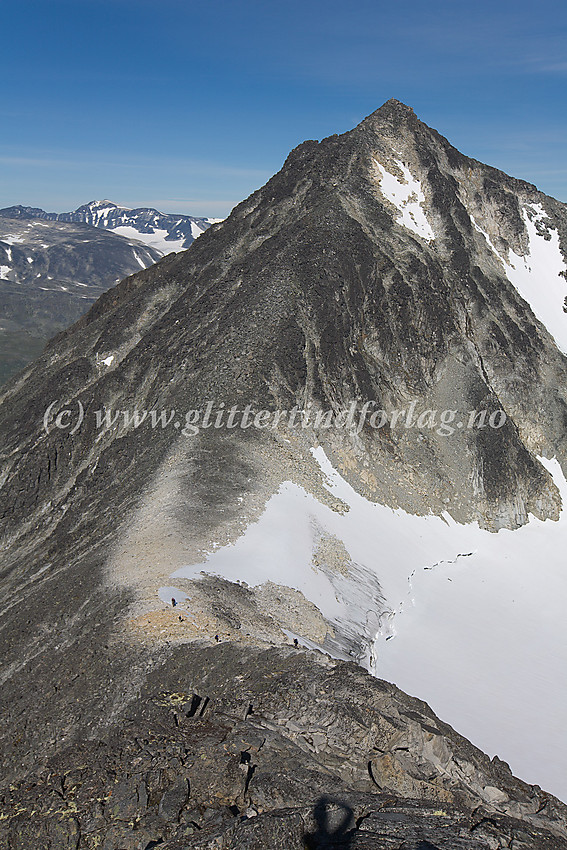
538 276
156 240
470 621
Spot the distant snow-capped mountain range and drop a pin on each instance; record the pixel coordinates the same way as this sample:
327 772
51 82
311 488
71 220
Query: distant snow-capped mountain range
165 232
53 266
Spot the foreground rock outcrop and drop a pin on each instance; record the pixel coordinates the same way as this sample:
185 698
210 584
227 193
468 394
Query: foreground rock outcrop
249 748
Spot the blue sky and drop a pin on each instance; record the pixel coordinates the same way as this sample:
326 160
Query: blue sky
190 106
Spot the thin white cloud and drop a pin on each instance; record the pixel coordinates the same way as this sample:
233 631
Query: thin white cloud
554 68
185 166
194 206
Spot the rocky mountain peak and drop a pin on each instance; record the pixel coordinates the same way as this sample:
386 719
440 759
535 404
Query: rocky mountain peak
104 204
394 110
176 568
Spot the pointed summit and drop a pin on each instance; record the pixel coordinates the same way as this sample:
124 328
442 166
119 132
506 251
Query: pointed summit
394 106
393 111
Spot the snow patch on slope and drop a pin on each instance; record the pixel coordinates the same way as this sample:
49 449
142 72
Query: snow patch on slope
156 240
408 197
268 552
196 230
172 596
537 276
489 241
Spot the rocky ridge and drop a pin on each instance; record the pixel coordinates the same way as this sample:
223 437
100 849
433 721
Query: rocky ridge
322 288
287 752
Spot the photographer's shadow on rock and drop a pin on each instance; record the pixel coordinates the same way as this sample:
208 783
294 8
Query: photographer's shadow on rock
335 825
336 828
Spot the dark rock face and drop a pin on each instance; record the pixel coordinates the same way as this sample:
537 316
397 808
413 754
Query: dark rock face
312 292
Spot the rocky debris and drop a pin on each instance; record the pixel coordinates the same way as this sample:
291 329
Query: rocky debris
289 750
